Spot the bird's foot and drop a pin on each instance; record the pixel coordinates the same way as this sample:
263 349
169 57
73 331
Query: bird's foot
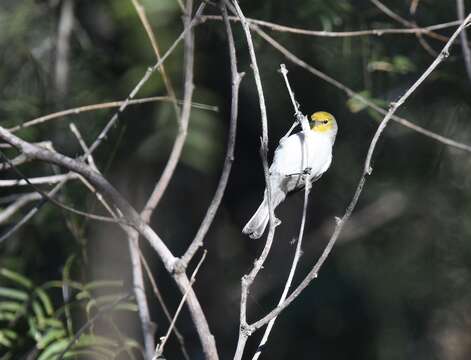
307 171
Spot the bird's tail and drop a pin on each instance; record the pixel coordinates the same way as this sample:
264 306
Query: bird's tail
259 221
256 226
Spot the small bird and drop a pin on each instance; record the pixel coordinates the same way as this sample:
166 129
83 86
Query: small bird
289 166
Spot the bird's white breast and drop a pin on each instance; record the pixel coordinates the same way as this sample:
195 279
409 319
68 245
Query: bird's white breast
289 156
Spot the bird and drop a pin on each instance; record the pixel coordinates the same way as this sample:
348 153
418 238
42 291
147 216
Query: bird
288 168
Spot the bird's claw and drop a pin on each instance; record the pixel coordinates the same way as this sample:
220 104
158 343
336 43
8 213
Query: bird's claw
307 171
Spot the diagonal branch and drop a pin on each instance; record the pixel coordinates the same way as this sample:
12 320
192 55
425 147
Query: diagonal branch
307 189
175 154
145 23
130 215
247 280
226 169
106 105
351 93
367 170
339 34
464 39
160 348
144 79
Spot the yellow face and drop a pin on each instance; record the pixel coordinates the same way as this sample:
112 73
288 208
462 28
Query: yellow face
322 121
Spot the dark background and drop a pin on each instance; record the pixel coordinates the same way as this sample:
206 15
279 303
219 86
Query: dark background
397 283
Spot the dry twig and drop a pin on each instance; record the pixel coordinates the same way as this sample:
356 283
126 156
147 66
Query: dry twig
294 59
177 148
229 159
464 39
107 105
339 34
160 348
307 189
367 170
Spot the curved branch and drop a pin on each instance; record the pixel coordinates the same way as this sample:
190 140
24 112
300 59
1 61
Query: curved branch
367 170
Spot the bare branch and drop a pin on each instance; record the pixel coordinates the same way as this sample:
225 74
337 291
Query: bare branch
161 300
160 348
414 4
33 211
177 148
226 169
307 189
464 39
340 34
66 23
247 280
130 215
107 105
10 210
148 327
49 180
367 170
144 79
387 11
294 59
145 23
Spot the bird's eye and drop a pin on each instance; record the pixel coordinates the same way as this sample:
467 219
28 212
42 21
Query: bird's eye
325 122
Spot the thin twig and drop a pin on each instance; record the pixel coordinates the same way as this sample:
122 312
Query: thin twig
158 295
247 280
387 11
148 327
145 23
339 34
294 59
307 189
66 24
229 159
10 210
29 215
146 77
367 170
41 180
58 203
414 4
177 148
160 347
464 38
107 105
169 261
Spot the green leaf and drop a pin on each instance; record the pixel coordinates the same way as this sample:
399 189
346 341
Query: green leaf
11 306
13 293
54 323
18 278
49 336
45 301
7 316
38 312
54 349
5 341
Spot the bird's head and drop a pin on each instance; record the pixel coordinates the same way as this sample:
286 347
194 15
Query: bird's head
323 122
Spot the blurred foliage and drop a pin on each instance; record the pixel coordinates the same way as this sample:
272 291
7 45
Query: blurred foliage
395 287
33 326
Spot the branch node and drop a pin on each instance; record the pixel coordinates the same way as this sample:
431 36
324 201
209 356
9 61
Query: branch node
179 267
